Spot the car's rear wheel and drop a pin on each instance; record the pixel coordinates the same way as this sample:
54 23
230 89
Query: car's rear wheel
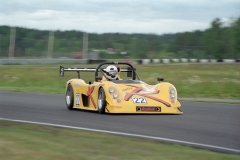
69 97
101 101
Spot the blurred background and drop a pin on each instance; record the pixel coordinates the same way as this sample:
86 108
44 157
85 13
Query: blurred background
216 42
120 30
146 31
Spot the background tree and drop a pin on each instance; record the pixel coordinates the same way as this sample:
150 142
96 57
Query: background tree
218 41
236 38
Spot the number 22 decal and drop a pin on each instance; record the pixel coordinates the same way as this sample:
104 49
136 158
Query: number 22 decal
139 100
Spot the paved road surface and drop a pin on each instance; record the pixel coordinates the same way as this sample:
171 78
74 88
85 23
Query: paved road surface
216 124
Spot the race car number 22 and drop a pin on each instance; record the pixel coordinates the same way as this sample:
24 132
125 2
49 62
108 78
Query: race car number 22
139 100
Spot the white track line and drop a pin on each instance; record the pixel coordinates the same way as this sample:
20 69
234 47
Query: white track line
133 135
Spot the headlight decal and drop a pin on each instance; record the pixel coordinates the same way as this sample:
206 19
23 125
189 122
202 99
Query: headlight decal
172 94
114 94
111 90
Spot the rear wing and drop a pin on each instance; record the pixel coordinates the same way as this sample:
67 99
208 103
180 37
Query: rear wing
78 70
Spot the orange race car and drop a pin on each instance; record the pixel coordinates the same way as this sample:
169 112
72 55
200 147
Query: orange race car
113 93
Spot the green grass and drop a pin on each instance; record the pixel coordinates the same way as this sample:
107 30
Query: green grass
28 141
191 80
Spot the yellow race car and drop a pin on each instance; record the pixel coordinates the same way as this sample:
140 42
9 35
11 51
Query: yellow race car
111 93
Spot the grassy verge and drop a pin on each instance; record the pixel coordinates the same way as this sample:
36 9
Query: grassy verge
28 141
191 80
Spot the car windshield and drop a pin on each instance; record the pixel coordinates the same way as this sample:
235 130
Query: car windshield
129 81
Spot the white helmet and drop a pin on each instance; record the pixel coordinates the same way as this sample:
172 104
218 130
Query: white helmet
111 72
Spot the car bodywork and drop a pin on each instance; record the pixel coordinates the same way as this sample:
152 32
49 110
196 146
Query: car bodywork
120 96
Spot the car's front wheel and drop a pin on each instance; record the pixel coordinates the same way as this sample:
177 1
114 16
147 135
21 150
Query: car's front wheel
101 101
69 97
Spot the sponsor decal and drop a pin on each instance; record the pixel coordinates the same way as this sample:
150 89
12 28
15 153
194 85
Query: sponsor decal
139 100
62 71
148 109
77 99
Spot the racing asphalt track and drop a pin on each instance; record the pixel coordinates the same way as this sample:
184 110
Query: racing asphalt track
214 126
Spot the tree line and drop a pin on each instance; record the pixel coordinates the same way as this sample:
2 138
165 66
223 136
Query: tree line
217 42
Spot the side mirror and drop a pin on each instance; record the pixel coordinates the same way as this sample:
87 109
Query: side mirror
160 79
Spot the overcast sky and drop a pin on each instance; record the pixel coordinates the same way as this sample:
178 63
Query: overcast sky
124 16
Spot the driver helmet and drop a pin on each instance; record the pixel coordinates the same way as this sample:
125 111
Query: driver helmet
111 72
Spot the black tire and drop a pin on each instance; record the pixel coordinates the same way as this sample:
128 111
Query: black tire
69 97
101 101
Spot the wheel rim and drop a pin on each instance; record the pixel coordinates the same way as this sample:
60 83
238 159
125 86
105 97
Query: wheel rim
68 97
100 100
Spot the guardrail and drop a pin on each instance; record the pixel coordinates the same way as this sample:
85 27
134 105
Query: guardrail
185 60
48 61
89 61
